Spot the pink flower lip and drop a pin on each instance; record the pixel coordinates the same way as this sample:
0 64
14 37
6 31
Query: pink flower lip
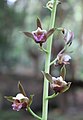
17 105
20 101
39 35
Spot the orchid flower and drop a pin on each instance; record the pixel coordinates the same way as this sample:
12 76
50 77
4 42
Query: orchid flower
40 35
57 83
62 58
20 101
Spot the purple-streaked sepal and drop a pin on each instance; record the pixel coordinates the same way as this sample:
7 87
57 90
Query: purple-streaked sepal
68 36
21 88
28 34
39 23
50 32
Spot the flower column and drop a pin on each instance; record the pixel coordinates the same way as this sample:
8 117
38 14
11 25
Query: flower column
47 63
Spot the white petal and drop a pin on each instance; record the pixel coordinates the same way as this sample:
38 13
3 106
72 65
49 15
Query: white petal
60 78
54 78
39 30
19 96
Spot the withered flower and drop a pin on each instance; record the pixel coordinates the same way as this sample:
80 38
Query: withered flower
40 35
57 84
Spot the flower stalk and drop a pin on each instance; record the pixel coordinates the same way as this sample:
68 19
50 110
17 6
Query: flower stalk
47 63
52 96
33 114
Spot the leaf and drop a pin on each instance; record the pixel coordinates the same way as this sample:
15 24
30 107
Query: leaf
63 72
50 32
39 23
29 34
30 100
48 76
9 98
21 88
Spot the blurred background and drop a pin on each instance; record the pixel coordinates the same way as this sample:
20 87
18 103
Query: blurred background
22 60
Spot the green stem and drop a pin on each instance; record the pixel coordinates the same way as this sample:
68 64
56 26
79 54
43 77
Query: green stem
44 50
36 116
52 96
47 63
58 29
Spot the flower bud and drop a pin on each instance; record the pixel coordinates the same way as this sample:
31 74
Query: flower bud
49 5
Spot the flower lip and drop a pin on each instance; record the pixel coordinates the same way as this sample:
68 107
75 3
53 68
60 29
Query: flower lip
17 106
59 81
39 35
59 85
19 96
20 101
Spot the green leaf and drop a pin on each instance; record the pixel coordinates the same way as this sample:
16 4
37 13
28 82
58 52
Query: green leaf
9 98
21 88
63 72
